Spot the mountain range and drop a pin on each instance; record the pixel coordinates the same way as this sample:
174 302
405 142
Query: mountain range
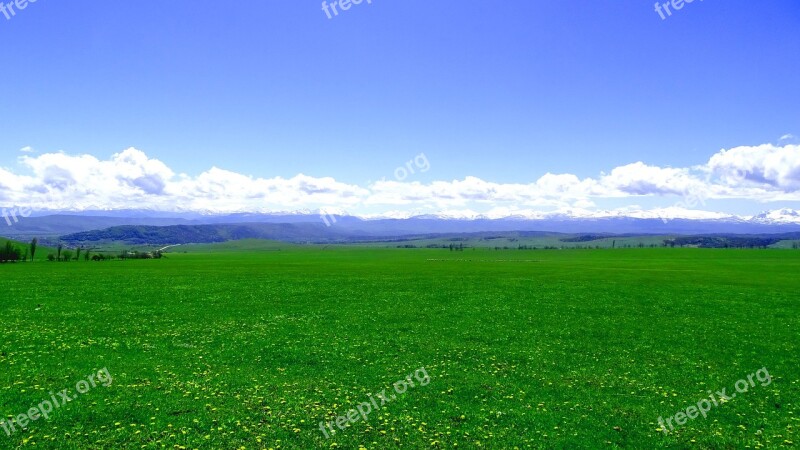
308 225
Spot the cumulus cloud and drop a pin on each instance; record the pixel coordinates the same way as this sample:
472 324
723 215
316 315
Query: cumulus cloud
775 168
641 179
131 179
27 149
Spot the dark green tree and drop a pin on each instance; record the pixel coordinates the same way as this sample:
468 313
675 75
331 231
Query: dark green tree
34 244
9 253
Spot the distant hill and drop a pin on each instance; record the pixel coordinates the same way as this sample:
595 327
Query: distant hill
200 234
316 233
56 225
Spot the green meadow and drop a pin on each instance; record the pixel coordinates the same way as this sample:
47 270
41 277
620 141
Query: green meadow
251 347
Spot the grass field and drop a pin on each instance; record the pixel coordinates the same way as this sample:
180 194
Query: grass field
527 349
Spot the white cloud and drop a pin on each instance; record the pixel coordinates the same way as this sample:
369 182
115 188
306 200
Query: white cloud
641 179
27 149
767 166
132 180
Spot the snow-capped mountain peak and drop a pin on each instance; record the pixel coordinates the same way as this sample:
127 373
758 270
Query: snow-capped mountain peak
778 216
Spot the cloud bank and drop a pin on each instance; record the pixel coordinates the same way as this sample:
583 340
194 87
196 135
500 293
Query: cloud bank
132 180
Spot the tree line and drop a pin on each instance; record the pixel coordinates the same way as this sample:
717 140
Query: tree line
13 253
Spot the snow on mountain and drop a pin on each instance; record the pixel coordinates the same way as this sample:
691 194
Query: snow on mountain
671 213
782 216
778 217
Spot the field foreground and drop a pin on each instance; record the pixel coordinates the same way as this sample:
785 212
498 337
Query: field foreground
526 349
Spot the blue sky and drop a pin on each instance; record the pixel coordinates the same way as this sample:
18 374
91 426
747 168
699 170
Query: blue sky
502 92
